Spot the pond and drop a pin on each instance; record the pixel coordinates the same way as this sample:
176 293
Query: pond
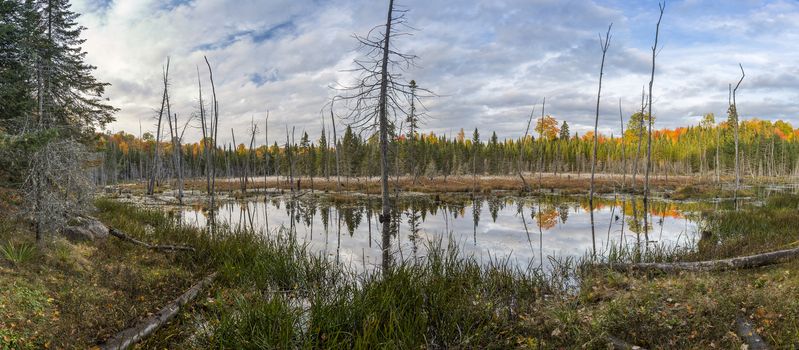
521 230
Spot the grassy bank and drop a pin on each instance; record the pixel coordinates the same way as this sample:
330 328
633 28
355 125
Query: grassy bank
273 293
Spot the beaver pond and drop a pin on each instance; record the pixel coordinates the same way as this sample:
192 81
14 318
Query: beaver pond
525 232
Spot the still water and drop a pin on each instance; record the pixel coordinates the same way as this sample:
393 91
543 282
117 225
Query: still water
521 230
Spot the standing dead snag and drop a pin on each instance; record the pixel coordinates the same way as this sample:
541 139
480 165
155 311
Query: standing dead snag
604 45
380 92
156 160
205 131
733 112
662 7
214 133
526 187
623 155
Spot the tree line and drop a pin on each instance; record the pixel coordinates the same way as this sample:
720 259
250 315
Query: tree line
706 149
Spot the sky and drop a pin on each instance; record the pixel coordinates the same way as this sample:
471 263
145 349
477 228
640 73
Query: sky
489 62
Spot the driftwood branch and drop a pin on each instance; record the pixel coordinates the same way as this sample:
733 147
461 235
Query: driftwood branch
130 336
742 262
121 235
747 332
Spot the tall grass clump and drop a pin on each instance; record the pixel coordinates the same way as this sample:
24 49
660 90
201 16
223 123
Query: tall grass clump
17 253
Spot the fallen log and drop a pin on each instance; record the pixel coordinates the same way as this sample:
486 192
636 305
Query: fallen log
741 262
121 235
747 332
144 328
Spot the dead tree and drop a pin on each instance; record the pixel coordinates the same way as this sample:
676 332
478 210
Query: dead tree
640 137
204 127
541 140
378 94
623 155
156 160
526 187
214 133
662 7
604 45
733 112
335 144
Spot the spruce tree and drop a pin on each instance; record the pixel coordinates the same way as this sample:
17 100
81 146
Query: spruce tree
70 97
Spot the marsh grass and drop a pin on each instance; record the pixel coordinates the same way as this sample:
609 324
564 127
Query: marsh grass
274 293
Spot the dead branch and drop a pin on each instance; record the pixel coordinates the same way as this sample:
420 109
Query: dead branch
168 247
737 263
144 328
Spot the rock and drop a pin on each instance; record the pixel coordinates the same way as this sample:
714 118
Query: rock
86 229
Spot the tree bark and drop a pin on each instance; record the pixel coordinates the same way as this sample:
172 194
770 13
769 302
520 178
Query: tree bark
737 263
385 217
148 326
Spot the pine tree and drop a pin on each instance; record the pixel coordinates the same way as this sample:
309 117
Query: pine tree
564 131
70 97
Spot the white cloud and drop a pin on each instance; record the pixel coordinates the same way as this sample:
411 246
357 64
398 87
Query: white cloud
490 60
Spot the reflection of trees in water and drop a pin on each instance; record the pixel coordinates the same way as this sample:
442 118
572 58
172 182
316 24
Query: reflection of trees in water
547 216
477 207
413 216
563 212
352 217
495 204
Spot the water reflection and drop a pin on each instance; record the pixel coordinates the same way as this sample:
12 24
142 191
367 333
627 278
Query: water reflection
348 230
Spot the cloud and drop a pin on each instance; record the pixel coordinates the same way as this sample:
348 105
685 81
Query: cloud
490 61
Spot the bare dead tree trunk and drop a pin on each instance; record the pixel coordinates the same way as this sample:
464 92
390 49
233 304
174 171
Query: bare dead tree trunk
377 93
335 144
604 45
205 130
179 150
541 140
385 217
156 160
734 115
525 187
640 137
253 131
215 133
623 155
662 7
173 133
266 152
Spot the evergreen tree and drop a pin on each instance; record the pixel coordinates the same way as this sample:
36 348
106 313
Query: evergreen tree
70 98
564 131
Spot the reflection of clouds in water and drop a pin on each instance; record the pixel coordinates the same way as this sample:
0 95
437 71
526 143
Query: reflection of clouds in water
495 239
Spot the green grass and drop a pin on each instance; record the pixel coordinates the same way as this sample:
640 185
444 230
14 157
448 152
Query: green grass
17 253
275 293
